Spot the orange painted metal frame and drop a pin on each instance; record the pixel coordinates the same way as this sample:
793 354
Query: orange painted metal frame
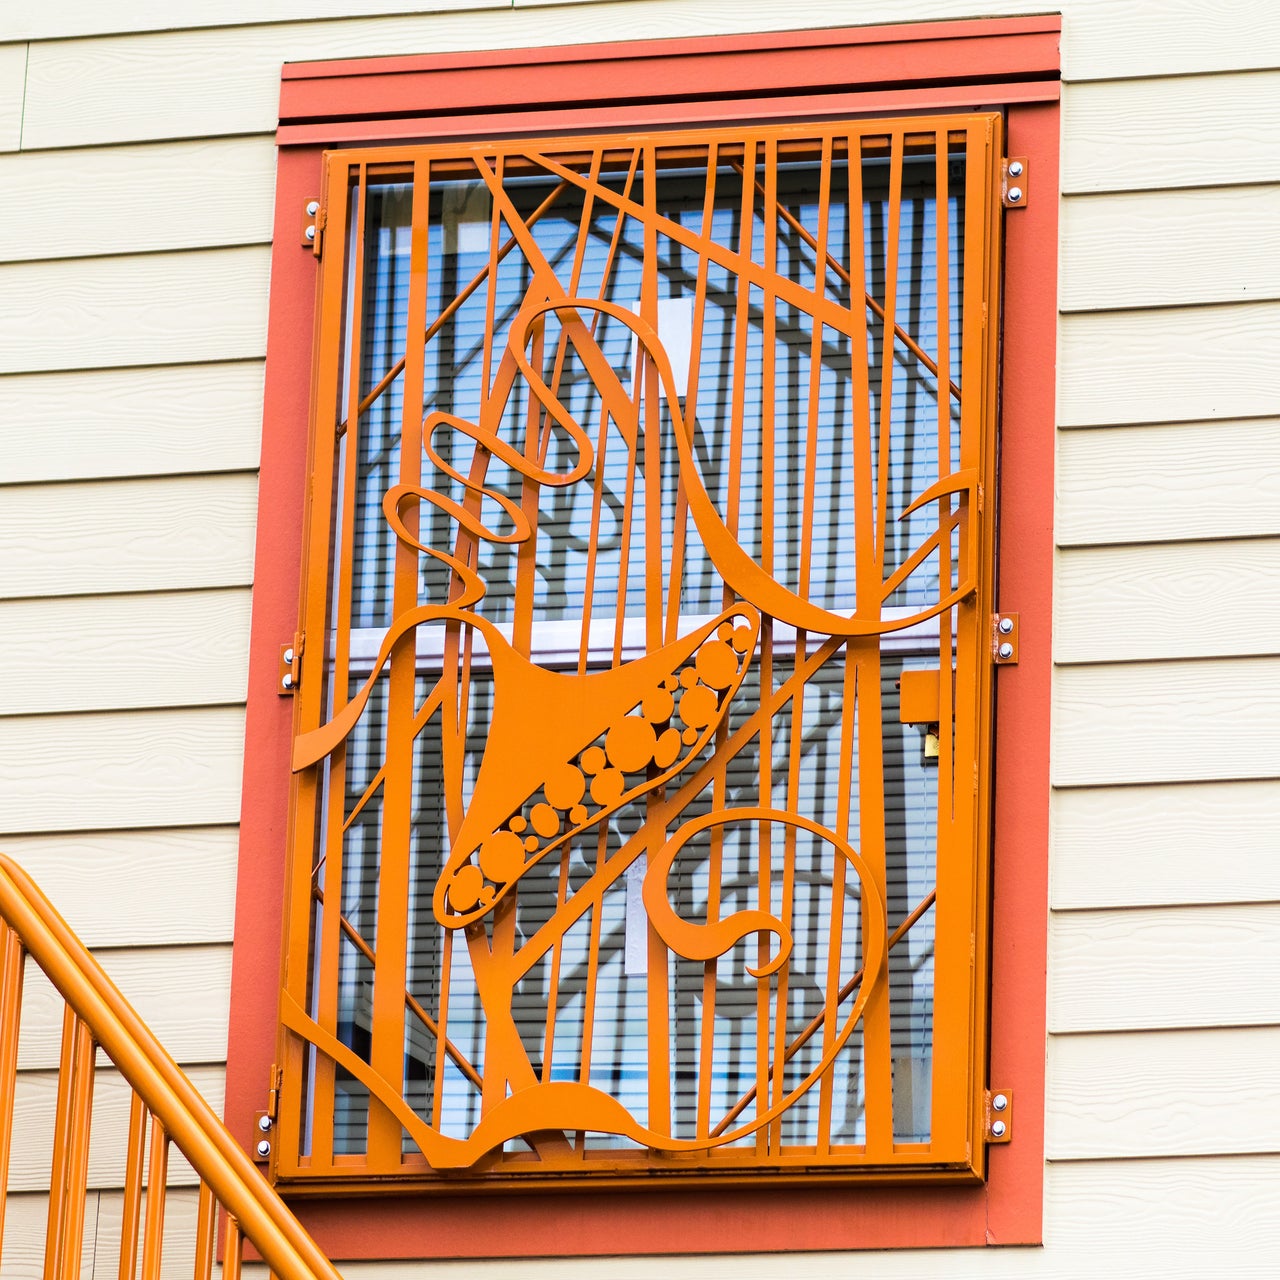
676 738
1007 1208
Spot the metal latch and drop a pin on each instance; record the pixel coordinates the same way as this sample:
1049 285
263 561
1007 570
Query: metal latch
1004 639
290 672
999 1118
1013 182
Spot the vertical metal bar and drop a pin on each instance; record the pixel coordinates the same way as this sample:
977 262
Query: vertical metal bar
742 323
12 965
335 612
78 1150
157 1186
55 1240
390 974
234 1251
132 1208
716 852
597 496
876 1040
206 1223
657 985
959 906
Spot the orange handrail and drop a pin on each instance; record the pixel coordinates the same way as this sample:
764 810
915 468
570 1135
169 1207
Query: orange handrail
97 1014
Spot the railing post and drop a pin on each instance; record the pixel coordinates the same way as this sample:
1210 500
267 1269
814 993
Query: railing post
12 964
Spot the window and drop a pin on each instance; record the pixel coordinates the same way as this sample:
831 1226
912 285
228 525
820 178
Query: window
646 471
643 746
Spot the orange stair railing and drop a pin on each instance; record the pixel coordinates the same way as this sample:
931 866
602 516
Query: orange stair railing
97 1016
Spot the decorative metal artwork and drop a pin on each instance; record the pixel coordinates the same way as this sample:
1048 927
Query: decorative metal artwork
642 468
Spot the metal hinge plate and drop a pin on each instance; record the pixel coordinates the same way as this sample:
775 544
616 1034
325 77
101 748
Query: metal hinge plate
264 1121
999 1115
312 225
1014 191
1004 639
290 671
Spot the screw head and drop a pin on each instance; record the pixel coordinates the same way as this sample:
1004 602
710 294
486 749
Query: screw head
1006 650
313 206
286 681
288 653
1015 196
264 1148
998 1103
1015 170
311 231
998 1130
1006 625
264 1123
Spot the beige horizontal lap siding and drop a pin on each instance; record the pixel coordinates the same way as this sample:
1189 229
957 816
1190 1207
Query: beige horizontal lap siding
138 215
158 196
1161 1128
1101 40
116 423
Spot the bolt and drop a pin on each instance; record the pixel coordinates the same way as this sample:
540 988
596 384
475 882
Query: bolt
264 1148
264 1123
288 653
1015 171
998 1130
313 206
1006 651
998 1103
1006 625
1015 195
311 231
286 681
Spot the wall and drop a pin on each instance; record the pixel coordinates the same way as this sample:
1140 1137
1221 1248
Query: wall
137 168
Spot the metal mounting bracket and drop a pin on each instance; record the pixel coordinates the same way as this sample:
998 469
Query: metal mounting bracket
1004 639
290 672
999 1117
1014 192
312 225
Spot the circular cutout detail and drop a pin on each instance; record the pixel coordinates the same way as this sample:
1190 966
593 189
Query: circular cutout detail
688 677
725 631
630 744
697 707
564 787
592 760
464 892
578 814
546 821
689 737
717 665
502 856
517 824
657 706
742 639
668 748
607 786
531 844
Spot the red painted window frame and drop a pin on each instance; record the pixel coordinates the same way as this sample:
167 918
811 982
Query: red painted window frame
1007 63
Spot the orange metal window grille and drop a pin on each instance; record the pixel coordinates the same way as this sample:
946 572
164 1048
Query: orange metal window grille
634 830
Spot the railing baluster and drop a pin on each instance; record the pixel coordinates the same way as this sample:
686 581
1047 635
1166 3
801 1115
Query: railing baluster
206 1221
12 963
157 1176
77 1166
133 1189
58 1177
232 1254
